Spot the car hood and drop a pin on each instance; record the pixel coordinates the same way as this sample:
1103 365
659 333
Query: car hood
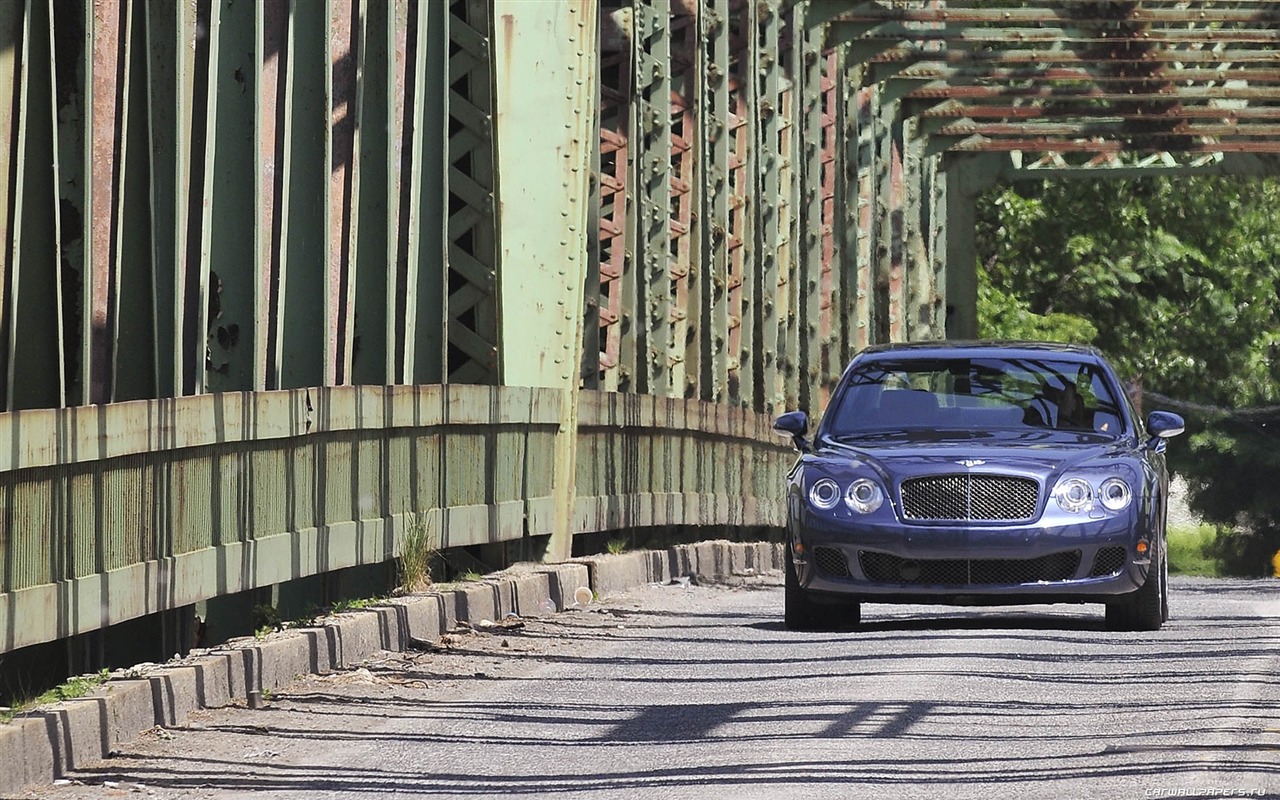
1034 453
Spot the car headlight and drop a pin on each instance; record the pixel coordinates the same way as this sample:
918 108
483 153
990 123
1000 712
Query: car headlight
863 496
824 494
1074 495
1115 494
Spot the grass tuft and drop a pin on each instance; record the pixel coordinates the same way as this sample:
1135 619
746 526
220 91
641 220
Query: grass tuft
416 552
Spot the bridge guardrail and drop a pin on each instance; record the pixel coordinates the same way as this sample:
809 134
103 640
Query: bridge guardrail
116 511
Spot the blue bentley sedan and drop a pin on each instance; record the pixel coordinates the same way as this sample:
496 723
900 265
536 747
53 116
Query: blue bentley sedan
978 474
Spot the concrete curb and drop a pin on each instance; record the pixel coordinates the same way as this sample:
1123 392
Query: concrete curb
43 745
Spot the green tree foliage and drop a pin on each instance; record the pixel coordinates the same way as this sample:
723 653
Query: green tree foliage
1176 280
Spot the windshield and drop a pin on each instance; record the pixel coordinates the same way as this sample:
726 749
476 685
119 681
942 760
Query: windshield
975 394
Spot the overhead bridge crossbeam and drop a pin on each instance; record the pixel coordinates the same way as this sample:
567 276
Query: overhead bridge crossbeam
1165 76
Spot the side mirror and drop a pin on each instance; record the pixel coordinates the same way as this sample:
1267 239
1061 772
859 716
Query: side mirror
1163 424
794 424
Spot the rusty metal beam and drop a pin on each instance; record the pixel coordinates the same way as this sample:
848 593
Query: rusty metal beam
1058 12
957 110
983 53
981 145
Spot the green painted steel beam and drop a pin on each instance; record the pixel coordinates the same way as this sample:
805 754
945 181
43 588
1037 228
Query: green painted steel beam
348 56
963 178
372 346
810 65
748 390
846 207
652 104
426 275
166 68
471 331
36 341
12 41
135 346
300 355
766 88
714 205
235 253
543 261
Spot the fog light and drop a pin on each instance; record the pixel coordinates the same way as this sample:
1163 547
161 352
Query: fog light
1142 547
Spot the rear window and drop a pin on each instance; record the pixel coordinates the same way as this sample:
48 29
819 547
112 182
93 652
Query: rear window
976 394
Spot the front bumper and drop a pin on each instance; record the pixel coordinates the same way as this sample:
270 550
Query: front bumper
1086 561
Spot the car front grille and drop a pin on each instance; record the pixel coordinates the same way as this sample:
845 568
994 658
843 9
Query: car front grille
1107 561
831 562
991 498
886 568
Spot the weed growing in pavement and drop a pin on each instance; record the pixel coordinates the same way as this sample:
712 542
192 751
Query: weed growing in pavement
265 619
354 604
616 546
74 687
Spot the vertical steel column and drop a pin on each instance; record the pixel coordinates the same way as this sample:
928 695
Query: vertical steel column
616 319
472 354
343 75
923 311
233 166
887 220
373 358
914 294
963 182
653 198
847 212
863 161
833 330
937 233
685 256
13 43
714 200
133 369
99 181
37 359
742 172
765 88
544 256
925 314
423 235
791 208
171 69
272 98
204 148
815 275
300 358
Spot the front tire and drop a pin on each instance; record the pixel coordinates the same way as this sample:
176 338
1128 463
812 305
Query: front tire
1147 608
802 614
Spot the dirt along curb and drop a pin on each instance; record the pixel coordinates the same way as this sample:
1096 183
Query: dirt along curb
42 745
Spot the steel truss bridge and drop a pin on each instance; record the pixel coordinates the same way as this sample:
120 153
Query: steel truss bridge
283 279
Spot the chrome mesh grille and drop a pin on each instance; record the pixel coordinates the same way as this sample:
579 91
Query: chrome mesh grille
886 568
970 497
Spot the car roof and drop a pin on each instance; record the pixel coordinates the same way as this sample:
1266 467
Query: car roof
987 347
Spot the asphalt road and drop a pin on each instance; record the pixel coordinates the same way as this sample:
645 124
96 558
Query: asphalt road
700 692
